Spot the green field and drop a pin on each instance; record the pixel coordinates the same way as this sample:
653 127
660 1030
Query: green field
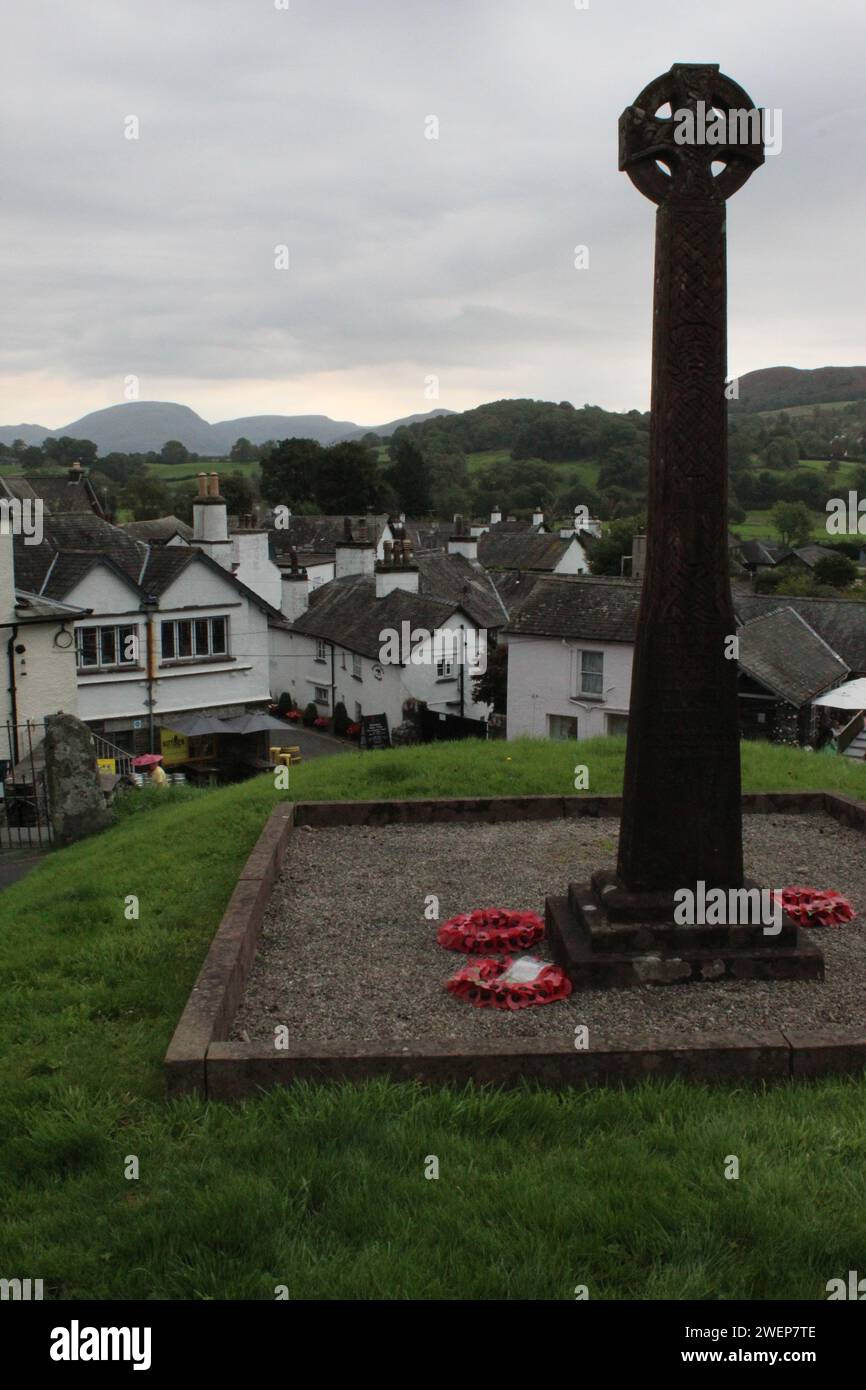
188 472
759 526
323 1190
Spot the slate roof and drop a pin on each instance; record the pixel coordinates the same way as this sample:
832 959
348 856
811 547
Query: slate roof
321 533
763 552
597 609
159 531
512 527
57 493
808 554
781 651
521 552
456 580
514 587
428 535
347 613
305 557
840 621
72 544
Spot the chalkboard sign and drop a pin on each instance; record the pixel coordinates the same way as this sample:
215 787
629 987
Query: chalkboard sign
374 731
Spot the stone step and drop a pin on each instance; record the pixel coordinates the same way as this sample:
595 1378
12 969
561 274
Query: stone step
641 937
571 947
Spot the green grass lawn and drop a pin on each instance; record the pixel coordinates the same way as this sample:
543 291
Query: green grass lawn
323 1189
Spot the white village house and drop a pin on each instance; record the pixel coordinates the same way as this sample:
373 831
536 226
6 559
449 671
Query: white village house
160 629
571 642
570 650
402 636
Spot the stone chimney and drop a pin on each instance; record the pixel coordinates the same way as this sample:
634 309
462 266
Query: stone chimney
210 521
398 569
75 472
356 552
538 516
496 515
460 542
295 598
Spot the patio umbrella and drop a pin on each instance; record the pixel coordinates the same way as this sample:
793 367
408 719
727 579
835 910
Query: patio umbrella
195 725
851 695
147 760
256 723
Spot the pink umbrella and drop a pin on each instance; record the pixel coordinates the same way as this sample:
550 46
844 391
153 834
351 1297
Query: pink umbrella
147 759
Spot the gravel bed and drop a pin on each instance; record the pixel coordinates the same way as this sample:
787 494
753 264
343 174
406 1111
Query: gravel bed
347 955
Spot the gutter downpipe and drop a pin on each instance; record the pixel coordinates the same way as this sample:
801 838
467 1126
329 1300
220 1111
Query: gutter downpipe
13 692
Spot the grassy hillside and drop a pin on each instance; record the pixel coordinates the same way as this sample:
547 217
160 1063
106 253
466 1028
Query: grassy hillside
323 1189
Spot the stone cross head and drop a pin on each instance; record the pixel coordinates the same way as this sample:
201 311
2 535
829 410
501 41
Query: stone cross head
692 138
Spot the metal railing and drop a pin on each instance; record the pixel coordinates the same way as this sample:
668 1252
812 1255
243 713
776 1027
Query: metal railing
25 820
850 731
122 759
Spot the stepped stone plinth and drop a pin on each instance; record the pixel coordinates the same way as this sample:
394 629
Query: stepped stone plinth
608 938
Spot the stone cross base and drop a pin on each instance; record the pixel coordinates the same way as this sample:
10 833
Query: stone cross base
606 937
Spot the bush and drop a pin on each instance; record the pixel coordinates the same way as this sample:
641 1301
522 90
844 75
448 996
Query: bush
310 715
341 720
285 702
838 570
767 581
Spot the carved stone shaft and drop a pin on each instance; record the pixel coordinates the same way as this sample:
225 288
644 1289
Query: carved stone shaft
681 818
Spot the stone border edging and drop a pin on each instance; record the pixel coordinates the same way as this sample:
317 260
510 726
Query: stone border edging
215 996
202 1061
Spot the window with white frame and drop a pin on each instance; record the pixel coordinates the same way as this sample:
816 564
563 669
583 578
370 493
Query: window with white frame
320 649
100 648
591 674
194 639
445 668
561 726
320 695
357 669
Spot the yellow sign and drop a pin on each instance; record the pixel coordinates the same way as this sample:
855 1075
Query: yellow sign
174 747
106 764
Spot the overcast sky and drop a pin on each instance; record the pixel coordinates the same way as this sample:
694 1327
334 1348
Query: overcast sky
409 257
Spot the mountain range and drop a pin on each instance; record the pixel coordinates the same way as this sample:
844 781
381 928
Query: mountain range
141 426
